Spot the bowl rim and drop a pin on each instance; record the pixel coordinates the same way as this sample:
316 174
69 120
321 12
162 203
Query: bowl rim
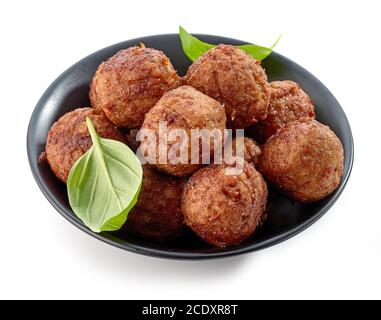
168 254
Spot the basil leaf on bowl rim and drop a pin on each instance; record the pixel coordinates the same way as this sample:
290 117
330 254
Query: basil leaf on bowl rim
104 183
193 47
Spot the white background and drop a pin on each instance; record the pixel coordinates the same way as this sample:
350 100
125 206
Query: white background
44 256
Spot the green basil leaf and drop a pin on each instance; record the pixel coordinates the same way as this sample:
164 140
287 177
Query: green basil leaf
104 184
193 47
258 52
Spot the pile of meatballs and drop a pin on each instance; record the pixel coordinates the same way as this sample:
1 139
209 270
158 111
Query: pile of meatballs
224 88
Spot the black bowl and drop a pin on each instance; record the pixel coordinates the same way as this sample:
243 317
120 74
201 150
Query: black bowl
285 219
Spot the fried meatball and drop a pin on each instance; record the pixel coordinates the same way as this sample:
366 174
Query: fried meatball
304 159
231 76
129 84
183 108
157 214
224 209
68 139
251 150
288 103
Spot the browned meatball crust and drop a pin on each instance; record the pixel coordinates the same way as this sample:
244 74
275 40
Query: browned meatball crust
223 209
288 103
251 150
304 159
235 79
68 139
157 214
183 108
127 85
